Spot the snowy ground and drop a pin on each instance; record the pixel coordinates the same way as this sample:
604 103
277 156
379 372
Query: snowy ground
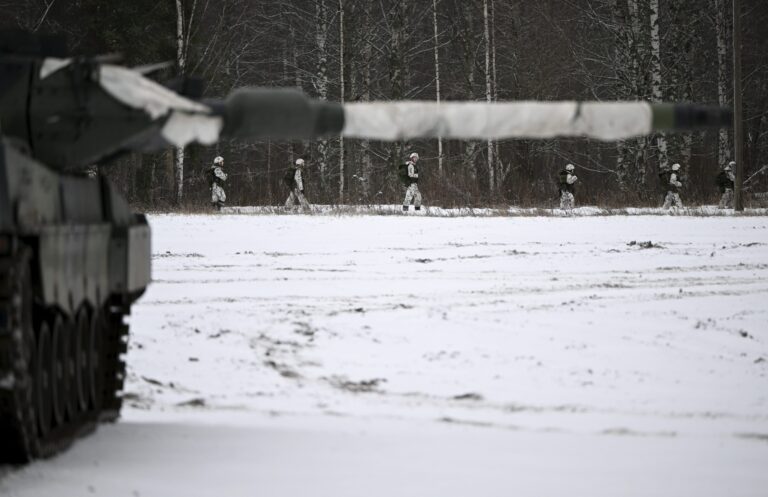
582 211
392 355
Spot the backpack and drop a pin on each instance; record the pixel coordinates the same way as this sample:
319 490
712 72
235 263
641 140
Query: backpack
402 174
664 177
289 178
212 179
724 181
564 186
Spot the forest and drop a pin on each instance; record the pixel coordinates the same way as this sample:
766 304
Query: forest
483 50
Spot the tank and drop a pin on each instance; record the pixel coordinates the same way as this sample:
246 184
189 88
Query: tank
74 258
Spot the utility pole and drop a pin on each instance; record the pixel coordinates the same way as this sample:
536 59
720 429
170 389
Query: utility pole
738 121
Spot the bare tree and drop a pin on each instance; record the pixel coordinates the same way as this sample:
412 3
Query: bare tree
723 86
182 47
437 84
320 81
656 77
465 28
488 96
341 98
367 61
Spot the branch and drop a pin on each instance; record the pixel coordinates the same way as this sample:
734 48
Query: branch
45 14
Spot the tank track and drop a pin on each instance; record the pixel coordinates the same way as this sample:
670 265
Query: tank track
59 376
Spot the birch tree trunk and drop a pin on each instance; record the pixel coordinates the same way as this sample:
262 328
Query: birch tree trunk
397 67
437 85
152 184
501 171
287 80
295 60
488 98
181 62
493 50
630 162
466 38
321 81
367 56
168 175
656 77
299 84
635 43
639 54
183 31
682 75
269 172
622 54
341 79
723 94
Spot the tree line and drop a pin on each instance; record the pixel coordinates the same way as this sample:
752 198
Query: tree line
485 50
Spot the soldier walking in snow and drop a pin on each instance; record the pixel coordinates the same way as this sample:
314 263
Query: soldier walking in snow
409 177
567 186
664 172
294 180
725 181
217 177
673 189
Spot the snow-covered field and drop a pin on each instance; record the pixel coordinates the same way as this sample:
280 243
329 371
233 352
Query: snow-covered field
393 355
581 211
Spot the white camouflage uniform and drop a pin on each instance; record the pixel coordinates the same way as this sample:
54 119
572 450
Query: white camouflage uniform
726 200
566 198
567 201
296 195
412 193
218 197
673 198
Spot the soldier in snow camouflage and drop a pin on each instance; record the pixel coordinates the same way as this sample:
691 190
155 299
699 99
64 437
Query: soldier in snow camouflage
409 177
294 180
567 187
725 181
664 172
673 189
216 178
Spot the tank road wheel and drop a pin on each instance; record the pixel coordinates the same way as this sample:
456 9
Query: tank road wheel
83 337
59 377
71 368
17 361
96 361
44 380
31 394
115 335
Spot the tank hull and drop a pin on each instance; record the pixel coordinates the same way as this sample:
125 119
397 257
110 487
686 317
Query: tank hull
73 259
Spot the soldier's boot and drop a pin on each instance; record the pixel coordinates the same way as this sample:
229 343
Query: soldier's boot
405 208
418 207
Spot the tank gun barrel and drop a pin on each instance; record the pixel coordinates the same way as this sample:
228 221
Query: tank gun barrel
290 114
501 120
690 116
278 113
